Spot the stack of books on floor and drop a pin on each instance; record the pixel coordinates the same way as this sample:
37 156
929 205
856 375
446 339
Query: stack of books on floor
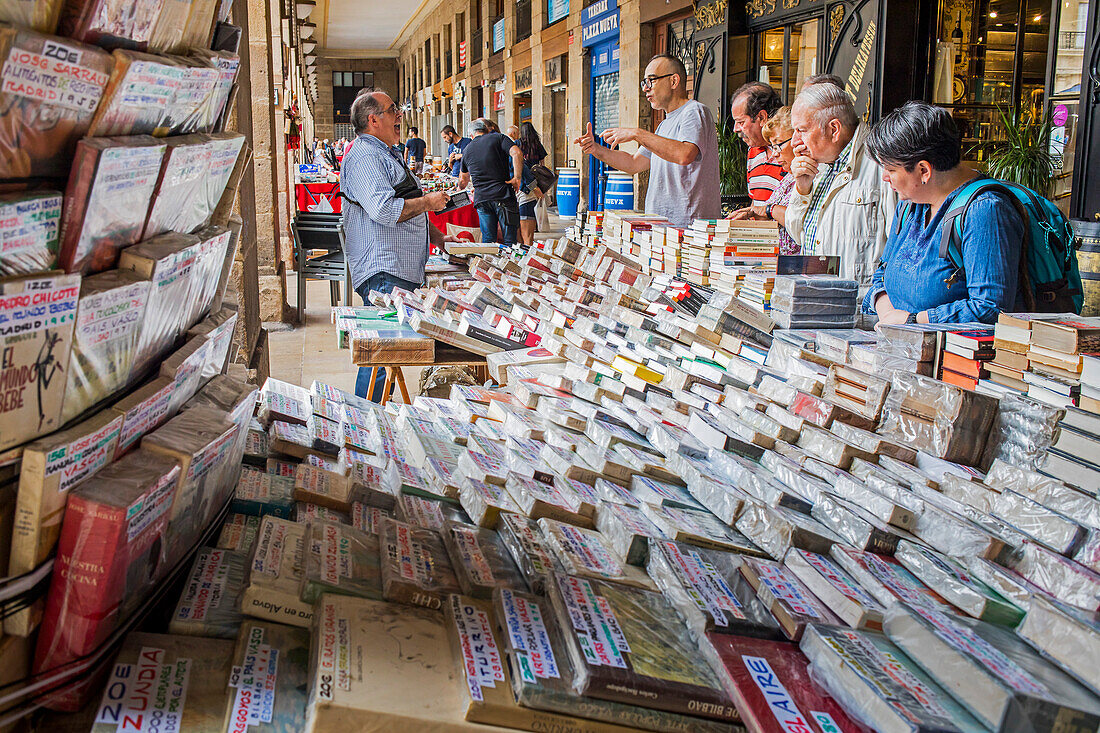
965 356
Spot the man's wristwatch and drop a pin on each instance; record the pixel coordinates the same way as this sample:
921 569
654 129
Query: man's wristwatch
768 210
911 318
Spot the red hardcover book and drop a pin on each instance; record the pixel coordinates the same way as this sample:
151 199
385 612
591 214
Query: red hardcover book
772 689
974 368
979 339
109 555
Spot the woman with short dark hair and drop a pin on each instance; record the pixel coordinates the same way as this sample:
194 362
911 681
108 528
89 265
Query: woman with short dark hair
530 144
918 147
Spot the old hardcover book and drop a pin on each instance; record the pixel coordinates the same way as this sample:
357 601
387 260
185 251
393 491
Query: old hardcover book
161 679
106 200
109 557
584 553
30 226
210 604
167 262
51 467
780 590
708 591
138 95
878 685
275 572
179 198
480 560
528 547
239 533
415 566
629 645
772 686
37 316
840 592
50 88
994 673
340 559
269 681
105 339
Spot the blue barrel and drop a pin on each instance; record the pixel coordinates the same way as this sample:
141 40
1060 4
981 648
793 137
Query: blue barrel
619 194
569 191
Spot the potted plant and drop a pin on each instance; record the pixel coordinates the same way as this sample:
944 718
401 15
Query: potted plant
1023 155
732 168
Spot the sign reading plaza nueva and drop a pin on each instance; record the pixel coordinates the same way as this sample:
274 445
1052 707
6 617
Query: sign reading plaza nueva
599 22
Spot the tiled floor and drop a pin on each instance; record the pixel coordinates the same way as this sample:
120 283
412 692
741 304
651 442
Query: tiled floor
309 351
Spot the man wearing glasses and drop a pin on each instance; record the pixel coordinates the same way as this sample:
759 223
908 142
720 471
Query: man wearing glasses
681 156
386 225
753 105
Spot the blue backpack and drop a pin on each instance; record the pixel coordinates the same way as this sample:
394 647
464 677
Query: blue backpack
1049 278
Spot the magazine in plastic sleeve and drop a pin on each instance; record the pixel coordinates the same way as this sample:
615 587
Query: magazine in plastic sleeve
340 559
528 548
480 560
210 602
30 232
138 96
415 567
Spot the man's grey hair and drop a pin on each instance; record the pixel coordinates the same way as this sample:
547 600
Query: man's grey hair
365 105
477 127
827 102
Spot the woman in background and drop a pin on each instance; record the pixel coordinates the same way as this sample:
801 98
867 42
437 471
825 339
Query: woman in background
530 144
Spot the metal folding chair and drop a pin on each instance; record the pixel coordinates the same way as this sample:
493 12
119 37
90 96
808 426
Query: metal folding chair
314 231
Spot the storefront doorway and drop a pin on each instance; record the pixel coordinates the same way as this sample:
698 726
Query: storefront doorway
787 55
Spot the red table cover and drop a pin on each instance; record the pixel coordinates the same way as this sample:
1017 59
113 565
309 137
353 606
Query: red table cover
310 195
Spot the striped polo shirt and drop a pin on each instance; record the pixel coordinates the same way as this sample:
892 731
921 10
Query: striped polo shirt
764 177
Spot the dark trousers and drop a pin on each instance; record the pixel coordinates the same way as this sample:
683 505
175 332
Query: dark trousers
505 213
383 282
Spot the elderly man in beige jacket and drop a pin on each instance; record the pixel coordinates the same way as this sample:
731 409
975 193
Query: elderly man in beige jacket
840 205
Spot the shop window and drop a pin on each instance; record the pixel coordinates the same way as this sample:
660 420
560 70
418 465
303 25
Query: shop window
788 55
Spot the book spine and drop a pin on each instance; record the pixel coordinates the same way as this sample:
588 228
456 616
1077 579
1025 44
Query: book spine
77 194
87 583
28 514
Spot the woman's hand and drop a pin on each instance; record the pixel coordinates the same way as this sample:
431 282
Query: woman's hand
893 317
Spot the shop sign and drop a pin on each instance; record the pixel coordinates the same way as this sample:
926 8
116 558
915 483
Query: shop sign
556 10
596 9
498 100
498 36
523 80
600 29
757 9
462 54
460 92
553 72
709 15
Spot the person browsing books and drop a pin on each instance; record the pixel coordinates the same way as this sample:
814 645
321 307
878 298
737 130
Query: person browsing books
681 156
495 164
386 225
918 146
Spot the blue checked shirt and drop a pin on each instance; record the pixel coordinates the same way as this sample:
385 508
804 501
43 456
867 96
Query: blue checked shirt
375 241
821 189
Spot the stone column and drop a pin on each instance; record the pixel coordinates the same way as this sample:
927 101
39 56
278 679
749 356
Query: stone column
259 187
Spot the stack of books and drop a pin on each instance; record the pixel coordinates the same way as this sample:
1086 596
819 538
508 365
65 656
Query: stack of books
1011 340
696 248
756 290
1075 454
1054 375
965 354
814 301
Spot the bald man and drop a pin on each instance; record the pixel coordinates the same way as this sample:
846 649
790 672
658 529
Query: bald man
681 156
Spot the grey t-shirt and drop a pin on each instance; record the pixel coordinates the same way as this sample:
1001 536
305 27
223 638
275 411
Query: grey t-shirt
681 193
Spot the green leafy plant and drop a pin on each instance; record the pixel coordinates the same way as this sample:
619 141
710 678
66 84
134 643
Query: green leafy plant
733 160
1023 155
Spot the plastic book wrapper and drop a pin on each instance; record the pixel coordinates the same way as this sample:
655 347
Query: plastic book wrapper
49 88
144 410
37 316
370 521
699 528
325 488
201 440
415 567
213 242
39 15
1049 492
836 588
541 673
771 686
224 148
629 645
782 593
887 581
1023 431
107 198
524 540
191 677
1066 635
211 599
139 95
190 112
1066 580
168 262
227 65
260 493
340 559
1054 530
239 533
105 340
878 686
855 526
627 531
269 685
776 529
538 500
485 503
993 672
179 201
480 560
30 225
110 23
218 328
276 568
50 469
584 553
284 402
708 591
109 558
943 420
957 586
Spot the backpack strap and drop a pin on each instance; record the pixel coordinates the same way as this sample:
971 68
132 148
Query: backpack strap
904 210
951 240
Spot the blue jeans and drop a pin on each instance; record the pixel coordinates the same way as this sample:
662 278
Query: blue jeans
383 282
506 213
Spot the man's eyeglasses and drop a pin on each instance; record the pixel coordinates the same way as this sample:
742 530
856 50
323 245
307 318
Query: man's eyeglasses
777 148
649 81
392 109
